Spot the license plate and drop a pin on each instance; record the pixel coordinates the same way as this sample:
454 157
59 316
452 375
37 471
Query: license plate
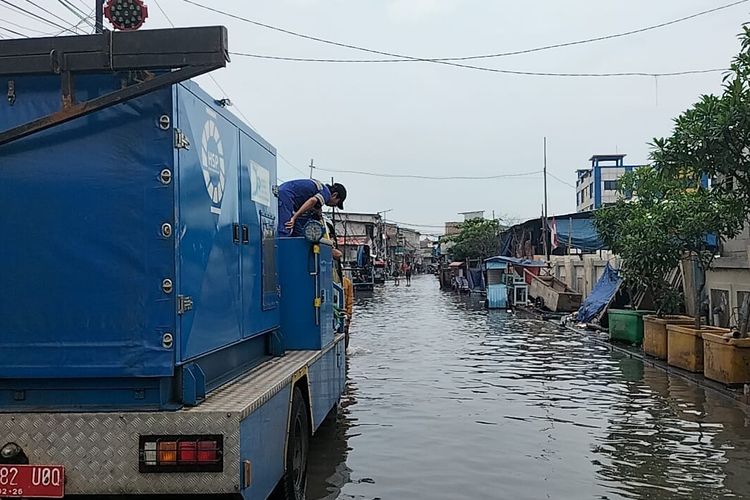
45 481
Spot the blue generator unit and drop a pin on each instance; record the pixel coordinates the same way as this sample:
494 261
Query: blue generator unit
140 263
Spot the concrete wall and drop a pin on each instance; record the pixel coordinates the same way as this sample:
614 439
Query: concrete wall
580 272
728 279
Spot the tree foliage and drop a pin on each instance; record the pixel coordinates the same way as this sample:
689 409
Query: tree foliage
478 239
669 219
711 140
631 230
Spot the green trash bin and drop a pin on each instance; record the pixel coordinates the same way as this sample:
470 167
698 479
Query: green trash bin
626 325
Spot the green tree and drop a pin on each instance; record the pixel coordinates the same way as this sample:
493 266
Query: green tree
478 239
632 230
669 219
711 140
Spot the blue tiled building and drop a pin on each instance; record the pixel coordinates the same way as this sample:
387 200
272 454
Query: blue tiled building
597 185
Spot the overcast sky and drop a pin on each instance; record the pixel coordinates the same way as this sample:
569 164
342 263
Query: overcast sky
431 119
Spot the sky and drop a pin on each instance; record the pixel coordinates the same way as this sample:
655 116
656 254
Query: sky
427 119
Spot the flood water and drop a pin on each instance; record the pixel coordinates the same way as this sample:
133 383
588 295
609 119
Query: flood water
446 400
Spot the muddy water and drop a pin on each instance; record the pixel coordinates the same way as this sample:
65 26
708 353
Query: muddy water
448 401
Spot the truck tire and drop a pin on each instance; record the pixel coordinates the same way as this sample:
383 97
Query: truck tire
294 481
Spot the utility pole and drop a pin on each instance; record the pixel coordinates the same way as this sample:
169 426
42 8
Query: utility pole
99 20
544 224
312 166
383 244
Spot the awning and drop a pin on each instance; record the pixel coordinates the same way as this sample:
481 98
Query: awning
353 241
455 264
577 233
518 262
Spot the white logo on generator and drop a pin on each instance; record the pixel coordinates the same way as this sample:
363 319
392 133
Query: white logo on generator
212 163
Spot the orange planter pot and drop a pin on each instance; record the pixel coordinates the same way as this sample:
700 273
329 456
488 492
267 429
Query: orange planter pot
655 333
726 360
685 346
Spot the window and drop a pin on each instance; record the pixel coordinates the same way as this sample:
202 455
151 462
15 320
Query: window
591 190
611 185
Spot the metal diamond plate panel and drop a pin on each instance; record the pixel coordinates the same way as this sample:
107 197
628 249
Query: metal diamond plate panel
246 394
100 450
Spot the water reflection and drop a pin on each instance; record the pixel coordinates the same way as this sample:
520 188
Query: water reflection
448 400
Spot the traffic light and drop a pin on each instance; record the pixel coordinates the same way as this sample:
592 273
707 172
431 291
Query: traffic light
126 15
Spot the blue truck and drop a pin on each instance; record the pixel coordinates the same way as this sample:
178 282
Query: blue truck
157 337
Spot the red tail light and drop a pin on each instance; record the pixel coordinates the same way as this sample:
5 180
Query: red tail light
207 452
189 453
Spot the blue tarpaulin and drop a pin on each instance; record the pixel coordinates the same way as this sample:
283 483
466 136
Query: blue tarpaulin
577 233
600 296
476 280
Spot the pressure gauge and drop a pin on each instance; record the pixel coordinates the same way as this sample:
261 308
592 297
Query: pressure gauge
313 231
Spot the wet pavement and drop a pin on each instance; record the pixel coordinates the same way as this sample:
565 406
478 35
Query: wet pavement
446 400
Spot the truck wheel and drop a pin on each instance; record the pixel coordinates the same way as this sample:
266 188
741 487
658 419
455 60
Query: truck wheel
295 478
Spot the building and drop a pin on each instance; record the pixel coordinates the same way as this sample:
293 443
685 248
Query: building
597 186
452 228
476 214
356 229
728 282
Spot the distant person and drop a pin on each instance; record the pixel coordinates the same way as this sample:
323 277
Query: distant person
407 273
396 276
302 200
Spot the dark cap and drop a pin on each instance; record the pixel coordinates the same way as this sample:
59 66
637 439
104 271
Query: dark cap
340 190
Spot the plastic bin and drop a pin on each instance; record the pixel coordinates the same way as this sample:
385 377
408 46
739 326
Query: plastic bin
626 325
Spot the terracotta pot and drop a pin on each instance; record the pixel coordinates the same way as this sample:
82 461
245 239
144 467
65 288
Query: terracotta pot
655 333
726 360
685 345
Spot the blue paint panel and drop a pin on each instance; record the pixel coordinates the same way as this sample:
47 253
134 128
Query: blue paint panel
597 187
259 209
298 325
209 257
326 382
81 209
262 441
80 394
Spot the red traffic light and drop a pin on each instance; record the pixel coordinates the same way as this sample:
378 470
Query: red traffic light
126 15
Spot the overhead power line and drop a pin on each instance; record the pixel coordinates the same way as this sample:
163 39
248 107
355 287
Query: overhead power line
34 16
431 177
239 111
445 61
572 43
19 26
492 70
429 226
561 180
52 14
295 167
164 13
12 32
82 18
213 79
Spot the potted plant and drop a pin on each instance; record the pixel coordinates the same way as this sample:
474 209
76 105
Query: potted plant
710 141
